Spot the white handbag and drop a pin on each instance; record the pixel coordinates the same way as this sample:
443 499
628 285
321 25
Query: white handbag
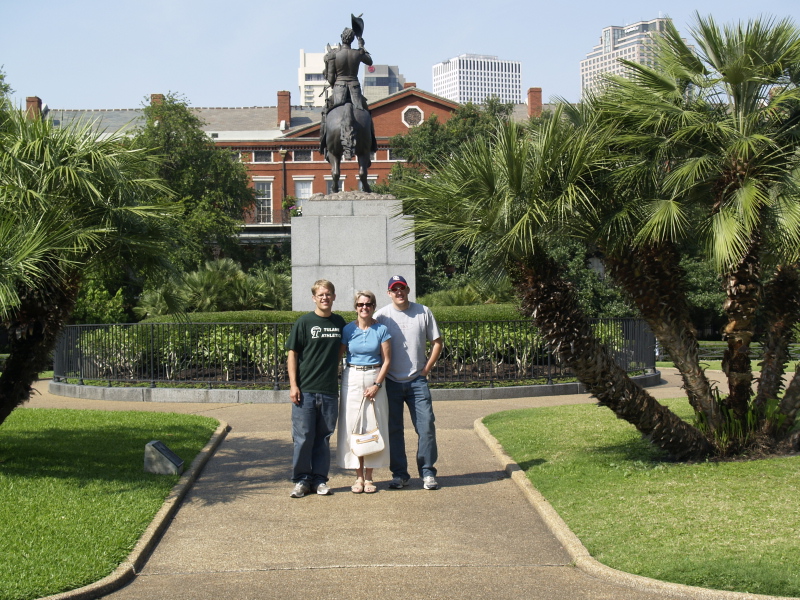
364 442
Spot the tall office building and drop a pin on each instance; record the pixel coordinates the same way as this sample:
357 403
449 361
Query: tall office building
377 81
475 77
310 78
632 42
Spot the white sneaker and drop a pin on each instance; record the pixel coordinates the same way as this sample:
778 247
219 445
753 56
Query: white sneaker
323 489
301 488
430 483
398 483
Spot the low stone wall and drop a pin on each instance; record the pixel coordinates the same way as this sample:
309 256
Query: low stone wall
147 394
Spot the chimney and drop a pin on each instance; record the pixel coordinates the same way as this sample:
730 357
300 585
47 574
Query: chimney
156 99
534 102
409 85
284 110
33 106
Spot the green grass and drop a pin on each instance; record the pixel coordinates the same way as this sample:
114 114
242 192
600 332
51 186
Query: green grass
723 525
716 365
74 497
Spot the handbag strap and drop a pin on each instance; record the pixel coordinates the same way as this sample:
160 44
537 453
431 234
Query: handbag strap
357 425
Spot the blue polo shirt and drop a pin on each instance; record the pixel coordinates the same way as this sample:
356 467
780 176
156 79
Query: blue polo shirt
364 345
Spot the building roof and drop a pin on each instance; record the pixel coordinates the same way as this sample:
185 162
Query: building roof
233 124
106 120
254 123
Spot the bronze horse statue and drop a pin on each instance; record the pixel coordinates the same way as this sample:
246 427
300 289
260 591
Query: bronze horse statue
348 134
346 128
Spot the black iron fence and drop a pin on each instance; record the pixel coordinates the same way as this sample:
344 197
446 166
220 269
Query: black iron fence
253 354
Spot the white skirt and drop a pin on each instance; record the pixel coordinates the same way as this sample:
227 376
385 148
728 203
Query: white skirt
353 385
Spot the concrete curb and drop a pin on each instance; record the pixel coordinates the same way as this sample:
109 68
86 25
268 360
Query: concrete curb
578 552
224 396
136 560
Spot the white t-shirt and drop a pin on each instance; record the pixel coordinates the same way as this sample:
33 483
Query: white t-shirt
410 330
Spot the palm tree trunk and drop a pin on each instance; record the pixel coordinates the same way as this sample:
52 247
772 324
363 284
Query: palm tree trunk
782 312
552 303
743 291
33 331
790 403
652 279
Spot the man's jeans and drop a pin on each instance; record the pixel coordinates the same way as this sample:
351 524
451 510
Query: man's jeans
417 396
313 422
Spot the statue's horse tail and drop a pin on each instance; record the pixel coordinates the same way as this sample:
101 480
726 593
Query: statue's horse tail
347 133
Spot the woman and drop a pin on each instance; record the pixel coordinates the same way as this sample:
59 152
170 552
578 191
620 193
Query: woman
369 352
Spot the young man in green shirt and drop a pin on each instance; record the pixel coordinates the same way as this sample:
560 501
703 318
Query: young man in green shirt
315 351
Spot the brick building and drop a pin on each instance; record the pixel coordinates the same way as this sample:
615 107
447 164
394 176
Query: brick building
280 145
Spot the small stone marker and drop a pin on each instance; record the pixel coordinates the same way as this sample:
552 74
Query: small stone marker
161 460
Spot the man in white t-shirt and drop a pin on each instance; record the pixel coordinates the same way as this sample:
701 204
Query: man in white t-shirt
411 326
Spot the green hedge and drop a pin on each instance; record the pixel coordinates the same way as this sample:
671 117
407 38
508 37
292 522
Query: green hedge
486 312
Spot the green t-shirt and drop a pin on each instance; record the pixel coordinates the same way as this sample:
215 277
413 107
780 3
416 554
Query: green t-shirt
317 341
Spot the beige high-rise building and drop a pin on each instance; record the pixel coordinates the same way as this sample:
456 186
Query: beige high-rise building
310 78
633 42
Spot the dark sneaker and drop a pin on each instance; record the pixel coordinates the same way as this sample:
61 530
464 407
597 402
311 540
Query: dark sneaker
430 483
323 489
398 483
301 488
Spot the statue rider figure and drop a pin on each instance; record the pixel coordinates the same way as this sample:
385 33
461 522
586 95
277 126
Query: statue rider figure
341 72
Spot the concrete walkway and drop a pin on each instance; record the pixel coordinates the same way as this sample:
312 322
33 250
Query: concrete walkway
239 535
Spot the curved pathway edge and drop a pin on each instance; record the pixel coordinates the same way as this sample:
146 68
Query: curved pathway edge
578 552
130 567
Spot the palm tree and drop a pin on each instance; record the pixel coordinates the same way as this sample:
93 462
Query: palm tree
68 197
503 200
717 130
647 271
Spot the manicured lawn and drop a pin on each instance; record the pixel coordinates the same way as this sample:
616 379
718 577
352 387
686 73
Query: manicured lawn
74 497
716 365
724 525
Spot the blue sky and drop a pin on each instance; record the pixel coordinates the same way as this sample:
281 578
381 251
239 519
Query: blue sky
111 54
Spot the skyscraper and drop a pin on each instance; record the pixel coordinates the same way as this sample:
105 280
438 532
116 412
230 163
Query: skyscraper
632 42
475 77
310 78
380 81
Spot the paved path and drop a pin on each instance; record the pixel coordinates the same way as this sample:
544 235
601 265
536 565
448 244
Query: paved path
239 535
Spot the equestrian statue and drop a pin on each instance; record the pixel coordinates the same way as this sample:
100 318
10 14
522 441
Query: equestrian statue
346 129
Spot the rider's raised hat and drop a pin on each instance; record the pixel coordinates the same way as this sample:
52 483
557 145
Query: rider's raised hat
397 279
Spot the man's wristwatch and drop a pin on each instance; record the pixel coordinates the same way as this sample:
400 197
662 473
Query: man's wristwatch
379 385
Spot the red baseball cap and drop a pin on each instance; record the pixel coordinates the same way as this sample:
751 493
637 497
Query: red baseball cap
397 279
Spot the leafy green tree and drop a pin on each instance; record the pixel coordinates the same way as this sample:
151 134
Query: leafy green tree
95 304
209 182
5 88
428 144
70 197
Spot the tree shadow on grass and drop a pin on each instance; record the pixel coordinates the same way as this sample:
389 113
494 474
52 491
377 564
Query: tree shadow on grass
634 451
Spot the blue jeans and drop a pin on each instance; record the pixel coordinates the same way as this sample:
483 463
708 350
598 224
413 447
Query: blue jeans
417 396
313 422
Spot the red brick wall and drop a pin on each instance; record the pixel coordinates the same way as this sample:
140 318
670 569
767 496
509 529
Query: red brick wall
388 119
388 123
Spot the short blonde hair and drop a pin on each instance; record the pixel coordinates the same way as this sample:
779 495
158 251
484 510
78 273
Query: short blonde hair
366 293
322 283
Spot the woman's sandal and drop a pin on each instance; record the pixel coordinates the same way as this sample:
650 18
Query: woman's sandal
358 486
369 487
